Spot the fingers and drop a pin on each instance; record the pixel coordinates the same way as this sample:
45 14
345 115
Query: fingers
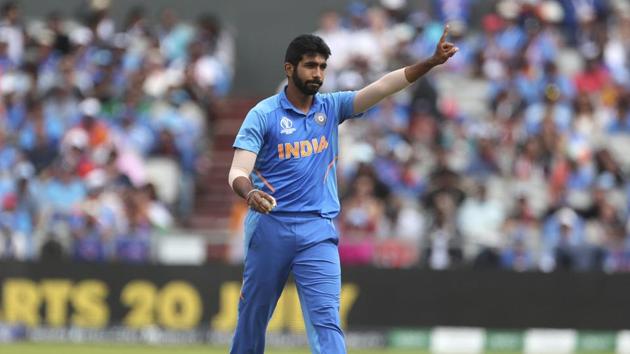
446 50
444 34
262 202
447 46
270 199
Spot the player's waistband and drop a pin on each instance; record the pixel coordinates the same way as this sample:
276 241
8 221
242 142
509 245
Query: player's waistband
311 214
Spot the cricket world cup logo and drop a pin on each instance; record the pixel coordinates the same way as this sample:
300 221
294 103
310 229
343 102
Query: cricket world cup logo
287 126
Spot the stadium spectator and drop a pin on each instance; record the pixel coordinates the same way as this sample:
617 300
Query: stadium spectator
11 30
480 219
520 243
443 245
361 223
91 237
133 245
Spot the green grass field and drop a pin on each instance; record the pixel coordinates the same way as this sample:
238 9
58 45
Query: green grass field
45 348
56 348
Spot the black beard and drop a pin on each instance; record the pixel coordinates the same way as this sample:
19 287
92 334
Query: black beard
303 86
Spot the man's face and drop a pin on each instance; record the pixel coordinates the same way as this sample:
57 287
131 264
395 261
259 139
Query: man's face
308 77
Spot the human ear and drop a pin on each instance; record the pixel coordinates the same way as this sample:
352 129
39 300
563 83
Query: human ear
288 69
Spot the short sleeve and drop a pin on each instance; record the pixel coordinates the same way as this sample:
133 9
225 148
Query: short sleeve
345 103
250 135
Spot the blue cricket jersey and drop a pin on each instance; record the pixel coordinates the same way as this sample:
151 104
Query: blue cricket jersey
297 152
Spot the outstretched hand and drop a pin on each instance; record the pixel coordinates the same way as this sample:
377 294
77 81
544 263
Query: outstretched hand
444 50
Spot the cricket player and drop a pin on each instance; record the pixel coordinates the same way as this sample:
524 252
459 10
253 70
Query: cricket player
284 166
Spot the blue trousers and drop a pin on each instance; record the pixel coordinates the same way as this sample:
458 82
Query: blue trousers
279 244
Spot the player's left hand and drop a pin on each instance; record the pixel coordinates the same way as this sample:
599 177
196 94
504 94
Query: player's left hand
444 50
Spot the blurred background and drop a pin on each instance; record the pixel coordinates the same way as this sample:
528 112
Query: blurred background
493 193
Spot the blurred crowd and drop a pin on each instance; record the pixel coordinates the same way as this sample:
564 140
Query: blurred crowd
510 156
513 155
103 128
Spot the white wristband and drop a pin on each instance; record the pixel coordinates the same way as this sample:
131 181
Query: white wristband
250 192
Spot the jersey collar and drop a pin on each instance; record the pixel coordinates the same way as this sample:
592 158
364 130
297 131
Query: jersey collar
286 104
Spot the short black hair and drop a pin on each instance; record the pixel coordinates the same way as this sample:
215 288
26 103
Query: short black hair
305 44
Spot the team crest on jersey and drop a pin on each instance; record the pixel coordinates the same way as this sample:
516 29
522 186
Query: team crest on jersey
320 118
287 126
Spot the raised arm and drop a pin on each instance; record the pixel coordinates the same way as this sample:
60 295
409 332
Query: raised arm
242 166
401 78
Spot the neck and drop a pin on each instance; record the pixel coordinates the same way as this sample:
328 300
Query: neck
298 98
